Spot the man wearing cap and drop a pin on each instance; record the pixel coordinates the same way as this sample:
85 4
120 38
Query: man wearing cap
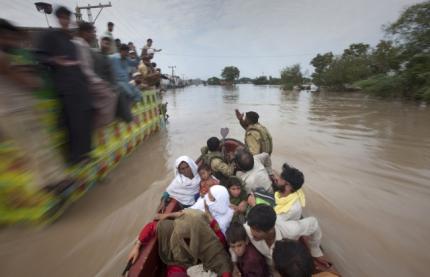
257 138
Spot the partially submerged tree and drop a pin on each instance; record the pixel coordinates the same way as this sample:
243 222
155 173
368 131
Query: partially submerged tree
230 73
291 76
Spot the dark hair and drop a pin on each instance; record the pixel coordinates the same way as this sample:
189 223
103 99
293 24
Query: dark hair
244 160
149 40
213 143
110 23
233 181
62 11
262 217
86 27
124 47
6 26
107 38
293 176
252 117
154 65
236 232
204 166
292 259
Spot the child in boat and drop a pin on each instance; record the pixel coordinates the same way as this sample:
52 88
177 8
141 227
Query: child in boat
238 199
249 261
289 197
207 180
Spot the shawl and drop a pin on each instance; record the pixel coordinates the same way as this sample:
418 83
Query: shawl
220 208
188 240
284 204
182 188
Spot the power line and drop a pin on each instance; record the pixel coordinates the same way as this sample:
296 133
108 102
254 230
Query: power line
237 56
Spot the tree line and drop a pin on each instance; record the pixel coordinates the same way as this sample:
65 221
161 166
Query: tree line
397 66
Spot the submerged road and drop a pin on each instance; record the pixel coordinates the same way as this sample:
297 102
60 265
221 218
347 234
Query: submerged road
366 163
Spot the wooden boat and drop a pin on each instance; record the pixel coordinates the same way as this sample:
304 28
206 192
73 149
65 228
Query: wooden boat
149 263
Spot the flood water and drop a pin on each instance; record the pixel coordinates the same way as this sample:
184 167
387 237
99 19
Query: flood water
366 163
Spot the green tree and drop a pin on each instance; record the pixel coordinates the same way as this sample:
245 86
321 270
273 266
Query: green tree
230 73
291 76
385 57
321 64
261 80
412 29
214 81
356 50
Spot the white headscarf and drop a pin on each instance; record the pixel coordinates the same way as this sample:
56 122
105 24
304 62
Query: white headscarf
182 188
220 208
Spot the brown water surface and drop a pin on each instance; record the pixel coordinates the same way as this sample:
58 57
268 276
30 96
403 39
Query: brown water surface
366 163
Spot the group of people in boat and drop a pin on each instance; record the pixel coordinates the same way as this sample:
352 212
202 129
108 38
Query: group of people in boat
238 216
94 82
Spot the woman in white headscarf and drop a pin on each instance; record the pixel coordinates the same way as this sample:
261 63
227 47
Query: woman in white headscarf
217 204
185 186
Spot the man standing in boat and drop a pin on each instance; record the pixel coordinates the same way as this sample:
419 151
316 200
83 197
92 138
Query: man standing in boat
257 138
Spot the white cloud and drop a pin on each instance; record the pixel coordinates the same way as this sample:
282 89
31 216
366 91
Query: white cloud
201 37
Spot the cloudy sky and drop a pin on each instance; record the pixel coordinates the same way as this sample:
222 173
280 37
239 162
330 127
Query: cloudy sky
260 37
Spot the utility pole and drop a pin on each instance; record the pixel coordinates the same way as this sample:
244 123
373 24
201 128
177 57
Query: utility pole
90 15
173 69
173 74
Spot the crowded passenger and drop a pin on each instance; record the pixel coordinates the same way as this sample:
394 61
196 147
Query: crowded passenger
148 49
238 199
250 262
189 240
254 171
292 259
59 52
207 180
289 197
217 203
150 77
104 99
137 80
257 137
20 121
264 230
120 65
103 68
108 33
186 184
213 157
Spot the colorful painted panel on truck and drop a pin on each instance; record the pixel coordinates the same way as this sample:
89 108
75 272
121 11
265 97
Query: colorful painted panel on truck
19 203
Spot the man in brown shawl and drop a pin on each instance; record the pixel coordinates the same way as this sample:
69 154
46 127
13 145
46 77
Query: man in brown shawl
104 99
189 240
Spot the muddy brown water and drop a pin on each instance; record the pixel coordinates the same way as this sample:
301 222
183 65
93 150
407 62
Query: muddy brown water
366 163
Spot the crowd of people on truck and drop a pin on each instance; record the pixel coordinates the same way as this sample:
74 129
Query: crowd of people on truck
94 80
238 217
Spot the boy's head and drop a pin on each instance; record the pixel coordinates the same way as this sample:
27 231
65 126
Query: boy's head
204 171
237 238
291 179
292 259
261 219
213 144
234 186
